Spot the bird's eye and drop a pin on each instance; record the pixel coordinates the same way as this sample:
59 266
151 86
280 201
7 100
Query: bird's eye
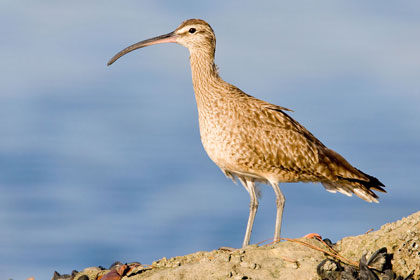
192 30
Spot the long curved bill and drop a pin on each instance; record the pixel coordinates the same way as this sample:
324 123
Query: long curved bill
166 38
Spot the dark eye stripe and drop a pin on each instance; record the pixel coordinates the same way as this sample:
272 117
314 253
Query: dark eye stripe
192 30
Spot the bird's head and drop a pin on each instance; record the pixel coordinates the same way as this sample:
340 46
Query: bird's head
194 34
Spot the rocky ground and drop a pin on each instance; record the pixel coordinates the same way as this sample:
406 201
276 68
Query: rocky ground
352 257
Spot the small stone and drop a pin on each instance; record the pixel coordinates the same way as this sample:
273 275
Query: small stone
136 269
223 258
235 259
91 269
115 264
241 277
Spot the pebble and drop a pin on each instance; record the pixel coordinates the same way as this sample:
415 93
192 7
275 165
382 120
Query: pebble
241 277
91 269
235 259
223 257
245 264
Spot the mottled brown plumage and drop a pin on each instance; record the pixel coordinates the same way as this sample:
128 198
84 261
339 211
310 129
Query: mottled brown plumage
255 141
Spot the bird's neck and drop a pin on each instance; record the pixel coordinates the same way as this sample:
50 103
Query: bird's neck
208 86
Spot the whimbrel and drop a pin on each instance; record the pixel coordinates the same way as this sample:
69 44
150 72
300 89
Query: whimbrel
252 140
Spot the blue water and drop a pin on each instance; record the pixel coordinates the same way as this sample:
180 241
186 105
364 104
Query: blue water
99 164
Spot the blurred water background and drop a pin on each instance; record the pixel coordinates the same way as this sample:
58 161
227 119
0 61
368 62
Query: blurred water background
100 163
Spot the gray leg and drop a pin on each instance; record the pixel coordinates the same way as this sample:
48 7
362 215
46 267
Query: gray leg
253 206
280 200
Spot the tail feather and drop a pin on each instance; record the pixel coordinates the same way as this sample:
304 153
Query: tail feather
373 183
361 188
348 179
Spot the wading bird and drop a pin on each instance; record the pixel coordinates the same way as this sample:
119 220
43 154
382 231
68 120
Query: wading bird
252 140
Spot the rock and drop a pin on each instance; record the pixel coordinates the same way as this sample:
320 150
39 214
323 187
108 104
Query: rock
389 253
329 270
400 239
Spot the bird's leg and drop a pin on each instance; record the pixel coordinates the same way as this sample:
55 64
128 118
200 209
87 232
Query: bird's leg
253 207
280 200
